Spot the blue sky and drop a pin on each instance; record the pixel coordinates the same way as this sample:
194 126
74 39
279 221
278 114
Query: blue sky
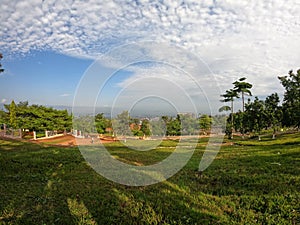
42 78
50 46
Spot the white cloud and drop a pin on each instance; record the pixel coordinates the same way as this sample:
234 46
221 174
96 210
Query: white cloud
3 100
256 39
65 95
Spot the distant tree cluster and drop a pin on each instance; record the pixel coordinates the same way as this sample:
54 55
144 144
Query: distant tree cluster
125 125
264 114
34 117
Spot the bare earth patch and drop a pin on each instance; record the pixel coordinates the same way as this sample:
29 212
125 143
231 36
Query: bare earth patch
69 140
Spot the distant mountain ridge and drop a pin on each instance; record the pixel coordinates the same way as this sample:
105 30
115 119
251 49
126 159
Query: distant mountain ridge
107 111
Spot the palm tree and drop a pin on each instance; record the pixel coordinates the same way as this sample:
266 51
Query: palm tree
243 87
240 86
229 96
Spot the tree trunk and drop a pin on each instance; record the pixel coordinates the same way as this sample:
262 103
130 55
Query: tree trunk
231 135
243 103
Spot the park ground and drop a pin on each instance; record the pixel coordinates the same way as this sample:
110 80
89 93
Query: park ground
249 182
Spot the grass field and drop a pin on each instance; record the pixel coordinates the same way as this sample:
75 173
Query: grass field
249 182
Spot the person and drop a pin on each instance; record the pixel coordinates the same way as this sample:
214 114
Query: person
92 140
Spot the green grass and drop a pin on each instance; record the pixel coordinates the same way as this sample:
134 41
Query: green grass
246 184
281 139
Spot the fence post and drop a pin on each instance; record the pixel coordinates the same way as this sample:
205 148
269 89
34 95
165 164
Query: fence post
34 135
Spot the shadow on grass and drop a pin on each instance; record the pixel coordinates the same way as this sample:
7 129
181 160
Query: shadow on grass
51 185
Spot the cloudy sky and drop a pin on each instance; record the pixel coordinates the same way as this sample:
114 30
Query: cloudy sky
194 49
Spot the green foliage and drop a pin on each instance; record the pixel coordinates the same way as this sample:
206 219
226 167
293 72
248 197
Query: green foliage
145 127
273 112
4 118
85 124
158 127
121 124
173 125
101 123
264 114
224 108
229 96
291 101
13 114
205 122
256 115
38 118
190 124
242 87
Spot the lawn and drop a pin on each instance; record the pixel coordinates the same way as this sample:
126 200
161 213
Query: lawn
250 182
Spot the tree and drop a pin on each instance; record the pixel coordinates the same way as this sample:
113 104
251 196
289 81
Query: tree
173 125
13 114
291 100
240 86
145 127
101 123
158 127
238 121
205 123
3 118
37 118
229 96
256 116
121 124
273 112
189 124
85 124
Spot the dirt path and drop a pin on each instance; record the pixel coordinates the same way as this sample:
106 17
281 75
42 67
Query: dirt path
69 140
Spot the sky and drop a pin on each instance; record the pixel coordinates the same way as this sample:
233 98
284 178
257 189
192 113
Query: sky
145 54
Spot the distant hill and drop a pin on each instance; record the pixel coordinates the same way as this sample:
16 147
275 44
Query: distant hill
150 113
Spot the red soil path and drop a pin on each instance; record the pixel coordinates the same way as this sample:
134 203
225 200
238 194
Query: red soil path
69 140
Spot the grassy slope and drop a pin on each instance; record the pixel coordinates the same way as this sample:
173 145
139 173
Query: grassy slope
245 184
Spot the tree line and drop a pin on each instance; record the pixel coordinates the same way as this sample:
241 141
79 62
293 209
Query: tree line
34 117
265 113
125 125
41 118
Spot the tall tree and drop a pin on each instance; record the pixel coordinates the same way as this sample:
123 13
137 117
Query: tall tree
291 101
13 114
205 122
256 115
145 127
273 112
189 124
173 126
242 87
121 124
229 96
3 118
101 123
